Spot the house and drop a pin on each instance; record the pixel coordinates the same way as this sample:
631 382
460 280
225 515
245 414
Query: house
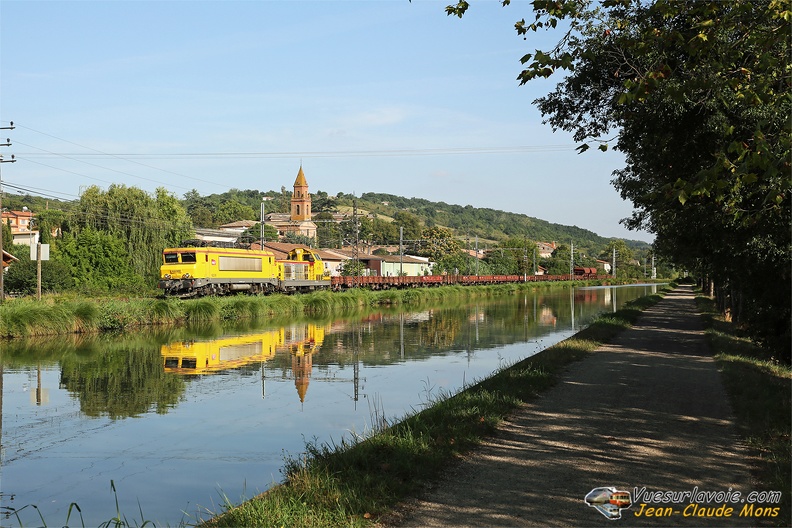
8 258
409 265
545 249
238 227
216 237
604 265
333 262
21 224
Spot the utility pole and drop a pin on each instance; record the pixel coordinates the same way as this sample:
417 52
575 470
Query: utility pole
401 251
534 259
261 227
357 241
2 223
614 262
477 256
571 260
654 270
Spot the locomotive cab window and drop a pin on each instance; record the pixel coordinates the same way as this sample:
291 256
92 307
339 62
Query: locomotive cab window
171 258
188 257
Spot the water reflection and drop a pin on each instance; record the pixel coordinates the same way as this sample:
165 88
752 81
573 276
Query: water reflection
177 416
301 341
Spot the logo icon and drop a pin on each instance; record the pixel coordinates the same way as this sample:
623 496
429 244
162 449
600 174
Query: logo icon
609 501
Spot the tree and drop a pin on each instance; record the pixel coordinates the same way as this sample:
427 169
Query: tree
328 232
295 238
384 232
8 238
321 202
624 255
697 97
352 268
411 224
22 276
142 223
232 211
98 261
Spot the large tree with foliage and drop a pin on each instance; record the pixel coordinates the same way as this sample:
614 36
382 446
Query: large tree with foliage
143 223
99 261
696 94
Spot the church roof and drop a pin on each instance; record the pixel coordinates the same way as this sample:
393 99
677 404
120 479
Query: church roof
300 181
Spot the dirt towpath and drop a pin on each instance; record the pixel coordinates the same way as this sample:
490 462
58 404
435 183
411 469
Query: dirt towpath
646 411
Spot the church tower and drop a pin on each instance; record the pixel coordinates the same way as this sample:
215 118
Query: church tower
301 199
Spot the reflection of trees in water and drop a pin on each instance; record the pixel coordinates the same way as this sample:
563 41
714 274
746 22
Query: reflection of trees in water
121 382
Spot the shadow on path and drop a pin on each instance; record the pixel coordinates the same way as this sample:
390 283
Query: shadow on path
648 410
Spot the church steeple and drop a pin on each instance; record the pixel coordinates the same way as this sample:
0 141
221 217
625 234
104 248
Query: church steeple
301 199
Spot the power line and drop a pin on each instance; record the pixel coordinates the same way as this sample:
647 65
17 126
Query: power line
317 154
98 166
101 153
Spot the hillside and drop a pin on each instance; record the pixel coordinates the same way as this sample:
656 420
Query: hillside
487 224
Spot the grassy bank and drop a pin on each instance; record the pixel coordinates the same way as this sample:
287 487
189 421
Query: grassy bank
356 481
760 392
63 314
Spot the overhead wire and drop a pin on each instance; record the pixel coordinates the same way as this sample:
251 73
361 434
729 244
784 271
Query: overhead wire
322 154
117 156
132 157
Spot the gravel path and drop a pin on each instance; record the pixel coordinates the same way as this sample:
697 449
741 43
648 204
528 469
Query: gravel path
648 410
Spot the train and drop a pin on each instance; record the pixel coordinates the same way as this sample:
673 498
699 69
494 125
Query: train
202 271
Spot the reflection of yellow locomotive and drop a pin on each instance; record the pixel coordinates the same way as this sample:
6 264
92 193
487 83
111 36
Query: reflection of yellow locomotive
207 357
191 271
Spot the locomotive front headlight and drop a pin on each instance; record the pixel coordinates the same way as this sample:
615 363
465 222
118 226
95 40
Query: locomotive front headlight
167 276
186 276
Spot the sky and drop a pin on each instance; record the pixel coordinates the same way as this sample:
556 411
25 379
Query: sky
385 96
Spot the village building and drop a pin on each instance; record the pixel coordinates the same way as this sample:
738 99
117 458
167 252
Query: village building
298 220
8 258
604 265
545 249
238 227
21 224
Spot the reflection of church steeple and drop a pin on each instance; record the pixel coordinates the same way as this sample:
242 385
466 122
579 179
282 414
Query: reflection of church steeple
301 368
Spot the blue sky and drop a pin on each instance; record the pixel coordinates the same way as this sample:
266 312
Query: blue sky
382 96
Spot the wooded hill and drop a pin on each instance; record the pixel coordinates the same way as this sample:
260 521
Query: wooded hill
489 225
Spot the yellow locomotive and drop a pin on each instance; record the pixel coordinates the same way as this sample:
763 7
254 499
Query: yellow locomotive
196 271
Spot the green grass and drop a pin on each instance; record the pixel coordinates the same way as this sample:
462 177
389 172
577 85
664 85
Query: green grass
760 393
360 479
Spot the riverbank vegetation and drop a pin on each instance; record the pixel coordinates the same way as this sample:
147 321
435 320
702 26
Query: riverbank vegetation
760 393
357 480
67 314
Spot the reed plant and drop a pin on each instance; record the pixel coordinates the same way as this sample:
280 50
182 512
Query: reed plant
284 305
165 311
86 315
32 318
206 309
321 302
242 307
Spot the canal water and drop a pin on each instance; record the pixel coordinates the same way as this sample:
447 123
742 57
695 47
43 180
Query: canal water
172 424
